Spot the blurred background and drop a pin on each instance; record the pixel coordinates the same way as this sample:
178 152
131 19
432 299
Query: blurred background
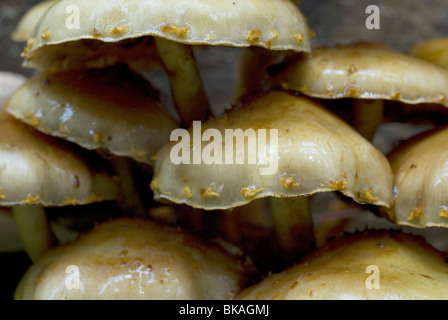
402 24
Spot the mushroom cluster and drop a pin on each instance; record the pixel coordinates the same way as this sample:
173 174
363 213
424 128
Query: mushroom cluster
198 201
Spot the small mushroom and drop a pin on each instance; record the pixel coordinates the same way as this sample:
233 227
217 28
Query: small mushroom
135 259
433 50
175 26
372 265
365 72
309 150
39 171
419 165
114 109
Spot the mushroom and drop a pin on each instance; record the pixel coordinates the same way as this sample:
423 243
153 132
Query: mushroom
135 258
113 109
433 50
39 171
372 265
419 166
9 82
28 22
175 27
369 74
295 148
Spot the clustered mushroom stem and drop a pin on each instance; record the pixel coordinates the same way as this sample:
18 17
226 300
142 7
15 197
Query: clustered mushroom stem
367 116
130 200
253 70
294 227
34 229
187 89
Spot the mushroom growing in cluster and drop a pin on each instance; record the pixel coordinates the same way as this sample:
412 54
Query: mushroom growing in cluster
367 73
295 148
91 111
173 27
380 265
135 259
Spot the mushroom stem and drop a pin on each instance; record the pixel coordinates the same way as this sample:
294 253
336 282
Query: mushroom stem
130 199
253 70
294 227
187 90
368 115
34 230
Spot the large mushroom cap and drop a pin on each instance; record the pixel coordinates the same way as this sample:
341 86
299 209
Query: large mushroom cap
434 51
420 166
40 170
276 24
113 109
366 266
135 259
366 71
315 152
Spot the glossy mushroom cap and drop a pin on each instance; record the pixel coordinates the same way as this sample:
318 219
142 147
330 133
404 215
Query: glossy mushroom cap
40 170
420 166
366 266
434 51
135 259
276 25
315 152
112 109
25 28
365 71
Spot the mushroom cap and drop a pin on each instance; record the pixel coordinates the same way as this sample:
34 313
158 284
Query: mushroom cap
433 50
112 109
365 70
316 152
139 53
40 170
420 166
9 82
131 258
406 268
276 25
28 22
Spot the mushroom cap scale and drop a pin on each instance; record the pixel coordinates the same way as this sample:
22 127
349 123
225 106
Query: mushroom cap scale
36 169
365 71
316 152
420 166
276 24
373 265
134 259
112 109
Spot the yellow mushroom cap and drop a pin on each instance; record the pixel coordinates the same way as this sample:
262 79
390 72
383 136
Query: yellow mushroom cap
113 109
276 24
420 166
36 169
27 24
433 50
315 152
135 259
365 71
366 266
